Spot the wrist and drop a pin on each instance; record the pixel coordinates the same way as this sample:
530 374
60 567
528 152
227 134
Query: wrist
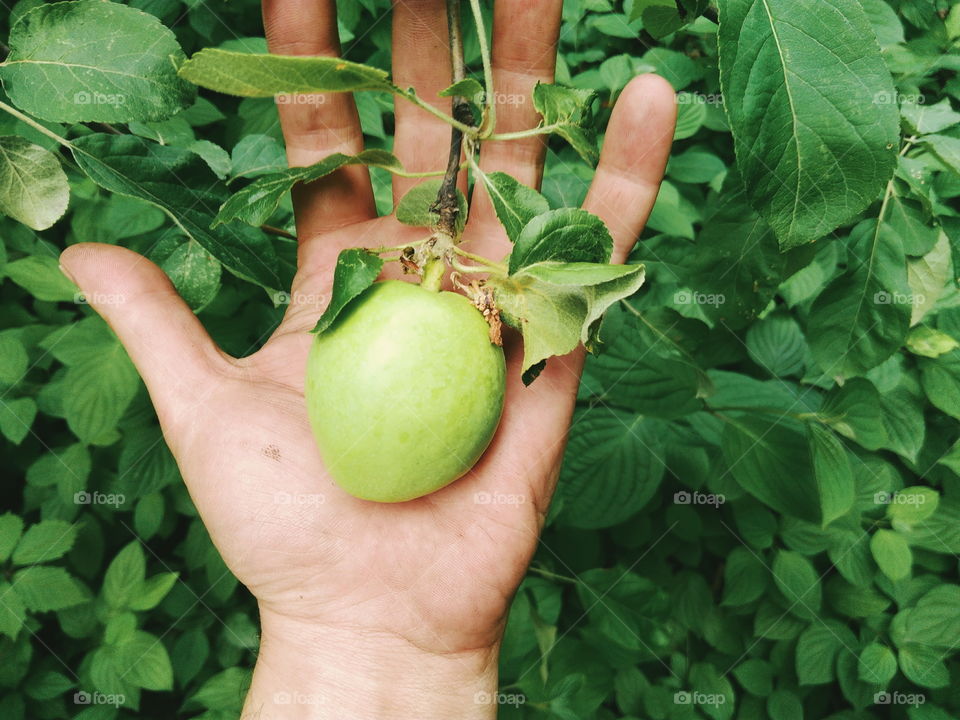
312 672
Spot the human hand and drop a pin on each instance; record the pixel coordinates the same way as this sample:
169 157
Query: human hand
373 610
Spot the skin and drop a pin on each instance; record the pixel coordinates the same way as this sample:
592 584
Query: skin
430 353
373 610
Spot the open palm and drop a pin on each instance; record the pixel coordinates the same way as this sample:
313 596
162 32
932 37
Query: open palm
437 572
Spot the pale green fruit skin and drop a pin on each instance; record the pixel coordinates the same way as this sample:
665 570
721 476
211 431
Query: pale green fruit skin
404 391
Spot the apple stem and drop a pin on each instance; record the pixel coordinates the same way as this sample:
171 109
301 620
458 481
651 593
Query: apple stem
433 271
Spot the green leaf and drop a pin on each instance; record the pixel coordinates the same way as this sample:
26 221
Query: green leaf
123 581
415 206
558 305
784 705
14 361
11 527
224 691
515 203
40 276
45 541
356 270
745 578
146 662
817 651
568 113
853 410
911 506
43 588
756 449
862 317
194 272
927 119
468 88
946 148
97 393
927 342
257 155
798 581
877 664
153 591
812 154
831 466
256 75
756 676
892 553
16 417
12 611
180 184
259 200
33 186
94 61
611 468
777 345
941 382
924 666
907 220
568 235
934 621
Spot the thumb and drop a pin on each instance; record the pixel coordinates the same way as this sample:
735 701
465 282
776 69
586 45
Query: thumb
169 346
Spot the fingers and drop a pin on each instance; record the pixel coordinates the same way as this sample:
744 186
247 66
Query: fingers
172 351
524 53
634 155
328 123
421 59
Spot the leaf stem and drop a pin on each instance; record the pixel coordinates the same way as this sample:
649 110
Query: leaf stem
499 267
490 111
539 130
417 100
542 572
26 119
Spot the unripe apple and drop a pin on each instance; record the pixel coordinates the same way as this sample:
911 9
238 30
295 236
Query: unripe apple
404 391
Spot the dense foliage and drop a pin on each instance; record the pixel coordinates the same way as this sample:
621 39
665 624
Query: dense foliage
759 510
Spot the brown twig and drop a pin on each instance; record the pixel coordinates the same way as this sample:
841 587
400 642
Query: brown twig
446 205
279 232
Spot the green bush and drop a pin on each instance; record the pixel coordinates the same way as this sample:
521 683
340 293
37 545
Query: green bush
759 510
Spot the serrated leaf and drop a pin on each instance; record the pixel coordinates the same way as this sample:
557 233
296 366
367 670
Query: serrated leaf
12 611
415 206
180 184
153 591
568 113
256 155
97 393
43 588
33 186
194 272
95 61
556 306
812 155
14 361
356 270
45 541
255 203
16 418
514 203
611 468
569 235
256 75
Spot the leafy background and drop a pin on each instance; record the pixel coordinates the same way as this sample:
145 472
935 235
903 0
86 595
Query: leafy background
759 511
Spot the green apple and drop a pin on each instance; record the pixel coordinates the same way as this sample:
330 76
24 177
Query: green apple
404 391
